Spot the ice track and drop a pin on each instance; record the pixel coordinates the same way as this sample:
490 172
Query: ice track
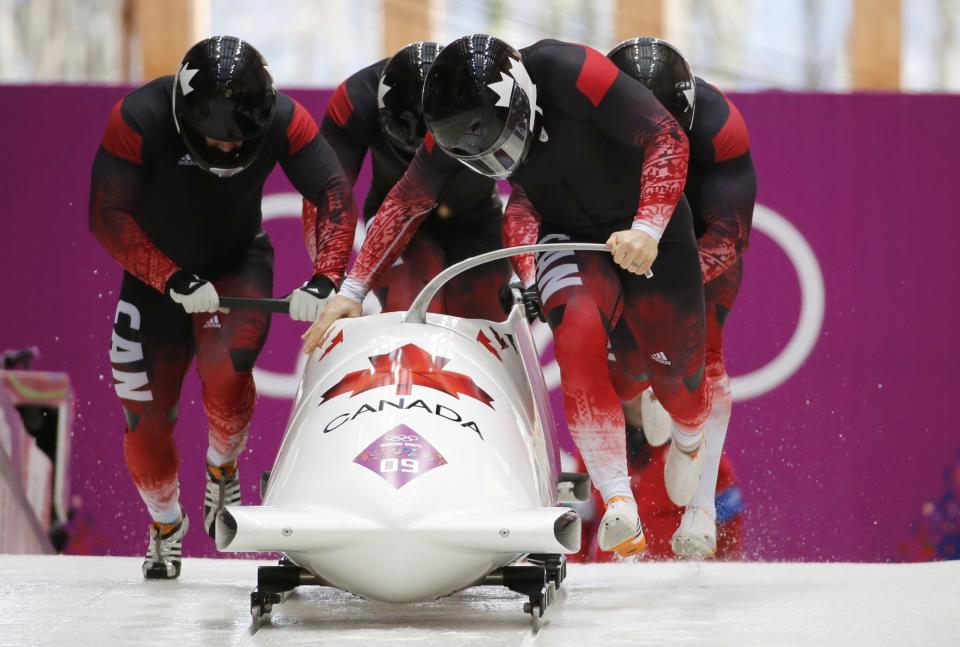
104 601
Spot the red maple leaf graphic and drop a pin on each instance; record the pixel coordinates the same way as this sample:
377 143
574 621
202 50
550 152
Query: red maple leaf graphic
406 366
485 341
334 342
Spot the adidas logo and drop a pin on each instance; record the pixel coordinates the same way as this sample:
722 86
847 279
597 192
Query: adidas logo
186 160
212 322
661 358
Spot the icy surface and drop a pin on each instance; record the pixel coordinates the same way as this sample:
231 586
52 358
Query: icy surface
104 601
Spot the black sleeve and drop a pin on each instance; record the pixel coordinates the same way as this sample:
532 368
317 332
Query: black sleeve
116 181
350 122
313 168
587 85
726 184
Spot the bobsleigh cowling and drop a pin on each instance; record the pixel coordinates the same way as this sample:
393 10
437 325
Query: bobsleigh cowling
420 458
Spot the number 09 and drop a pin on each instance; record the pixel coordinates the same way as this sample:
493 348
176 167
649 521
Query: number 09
407 465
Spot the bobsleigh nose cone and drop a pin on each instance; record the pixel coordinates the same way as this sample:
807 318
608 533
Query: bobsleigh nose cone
442 554
405 571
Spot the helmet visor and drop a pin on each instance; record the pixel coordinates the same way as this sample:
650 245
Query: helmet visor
508 152
219 162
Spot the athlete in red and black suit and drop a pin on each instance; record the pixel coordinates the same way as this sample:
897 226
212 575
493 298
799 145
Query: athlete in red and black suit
592 157
378 109
175 199
721 188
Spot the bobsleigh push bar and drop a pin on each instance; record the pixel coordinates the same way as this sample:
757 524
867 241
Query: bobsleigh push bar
418 309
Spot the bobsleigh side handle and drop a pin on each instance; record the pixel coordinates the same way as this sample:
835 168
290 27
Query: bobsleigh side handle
418 309
578 484
252 303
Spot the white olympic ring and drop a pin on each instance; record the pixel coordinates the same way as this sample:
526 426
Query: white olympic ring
812 307
744 387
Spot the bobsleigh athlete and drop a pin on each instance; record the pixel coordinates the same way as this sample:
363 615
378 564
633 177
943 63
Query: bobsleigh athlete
175 199
721 189
378 110
592 157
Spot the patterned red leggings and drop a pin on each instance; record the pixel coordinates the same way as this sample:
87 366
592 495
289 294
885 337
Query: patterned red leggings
154 342
628 369
586 296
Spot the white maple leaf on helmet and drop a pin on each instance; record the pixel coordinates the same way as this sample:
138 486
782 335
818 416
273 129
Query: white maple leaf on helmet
504 88
382 90
186 75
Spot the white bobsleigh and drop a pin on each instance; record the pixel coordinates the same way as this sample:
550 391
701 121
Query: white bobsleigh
420 459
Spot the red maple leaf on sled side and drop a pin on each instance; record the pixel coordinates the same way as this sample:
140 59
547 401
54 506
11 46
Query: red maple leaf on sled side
406 366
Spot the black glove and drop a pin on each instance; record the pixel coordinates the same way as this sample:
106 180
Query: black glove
192 292
308 300
531 300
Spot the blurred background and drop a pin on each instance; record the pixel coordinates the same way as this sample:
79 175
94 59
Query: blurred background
841 344
826 45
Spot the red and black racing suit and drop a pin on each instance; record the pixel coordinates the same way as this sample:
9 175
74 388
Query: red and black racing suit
465 221
722 189
156 212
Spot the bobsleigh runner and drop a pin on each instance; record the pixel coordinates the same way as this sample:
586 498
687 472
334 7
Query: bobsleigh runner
420 459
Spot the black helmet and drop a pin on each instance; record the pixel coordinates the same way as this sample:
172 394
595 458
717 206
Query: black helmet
224 91
480 104
661 67
399 96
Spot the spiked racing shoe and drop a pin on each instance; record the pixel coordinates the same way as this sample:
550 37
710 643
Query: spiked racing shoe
620 529
223 489
162 561
696 538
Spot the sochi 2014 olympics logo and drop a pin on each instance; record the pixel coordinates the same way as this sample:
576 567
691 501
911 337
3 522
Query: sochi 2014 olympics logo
401 438
756 383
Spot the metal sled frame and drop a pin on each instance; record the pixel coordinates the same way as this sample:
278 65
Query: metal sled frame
539 580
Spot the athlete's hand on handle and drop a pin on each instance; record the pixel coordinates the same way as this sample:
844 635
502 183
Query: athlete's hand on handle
308 300
193 293
633 250
338 307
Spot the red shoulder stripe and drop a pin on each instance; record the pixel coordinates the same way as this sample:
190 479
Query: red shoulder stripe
302 129
120 139
732 140
428 142
596 76
340 107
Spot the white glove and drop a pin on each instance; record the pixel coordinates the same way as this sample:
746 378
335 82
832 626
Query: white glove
308 300
193 293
